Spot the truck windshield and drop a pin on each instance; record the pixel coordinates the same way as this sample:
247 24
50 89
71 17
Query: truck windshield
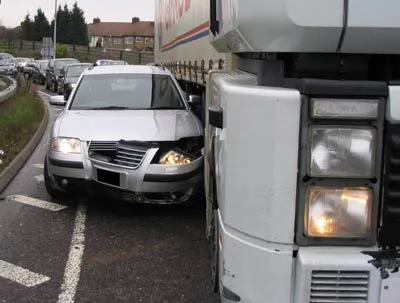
127 91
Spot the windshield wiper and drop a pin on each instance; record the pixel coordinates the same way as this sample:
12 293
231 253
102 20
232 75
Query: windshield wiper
110 107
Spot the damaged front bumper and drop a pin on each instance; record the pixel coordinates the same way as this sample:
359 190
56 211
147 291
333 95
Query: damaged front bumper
130 175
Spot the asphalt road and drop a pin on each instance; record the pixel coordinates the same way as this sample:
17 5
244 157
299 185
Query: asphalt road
97 251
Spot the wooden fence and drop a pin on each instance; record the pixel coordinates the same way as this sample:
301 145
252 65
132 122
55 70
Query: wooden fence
23 48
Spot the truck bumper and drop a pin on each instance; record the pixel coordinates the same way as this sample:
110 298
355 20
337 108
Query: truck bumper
255 271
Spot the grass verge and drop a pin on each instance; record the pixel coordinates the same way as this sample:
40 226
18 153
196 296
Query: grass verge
20 116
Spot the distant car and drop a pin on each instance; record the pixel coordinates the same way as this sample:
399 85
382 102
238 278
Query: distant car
129 132
103 62
53 71
21 62
7 64
29 69
39 72
69 75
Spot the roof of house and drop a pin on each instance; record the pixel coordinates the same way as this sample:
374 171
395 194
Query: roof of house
118 29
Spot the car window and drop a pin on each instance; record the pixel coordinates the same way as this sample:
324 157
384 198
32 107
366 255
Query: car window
133 91
76 71
59 64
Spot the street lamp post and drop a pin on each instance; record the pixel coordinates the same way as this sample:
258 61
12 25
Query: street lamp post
55 29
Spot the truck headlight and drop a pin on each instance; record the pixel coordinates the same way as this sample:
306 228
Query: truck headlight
174 158
342 152
66 145
338 212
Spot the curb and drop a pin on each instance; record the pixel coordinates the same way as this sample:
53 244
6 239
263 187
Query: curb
8 174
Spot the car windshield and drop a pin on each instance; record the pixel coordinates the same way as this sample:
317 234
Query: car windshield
127 91
23 60
58 65
43 64
76 71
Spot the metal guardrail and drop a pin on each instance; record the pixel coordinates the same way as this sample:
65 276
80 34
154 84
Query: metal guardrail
9 91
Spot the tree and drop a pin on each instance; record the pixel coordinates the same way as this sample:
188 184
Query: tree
78 26
41 26
27 28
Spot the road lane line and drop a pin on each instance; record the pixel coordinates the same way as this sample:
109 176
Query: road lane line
38 165
73 267
21 275
36 202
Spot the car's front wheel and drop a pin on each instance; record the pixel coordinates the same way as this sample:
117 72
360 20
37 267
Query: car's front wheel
49 183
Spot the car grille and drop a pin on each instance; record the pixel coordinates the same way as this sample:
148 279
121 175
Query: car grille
390 225
339 286
121 153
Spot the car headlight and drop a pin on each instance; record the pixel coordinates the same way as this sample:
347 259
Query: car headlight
174 158
66 145
338 212
342 152
72 85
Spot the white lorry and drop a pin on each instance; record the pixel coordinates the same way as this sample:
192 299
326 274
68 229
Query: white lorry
302 143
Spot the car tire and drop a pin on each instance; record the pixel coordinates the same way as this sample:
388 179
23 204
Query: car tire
49 184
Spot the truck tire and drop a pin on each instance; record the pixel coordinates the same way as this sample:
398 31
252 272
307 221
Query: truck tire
49 184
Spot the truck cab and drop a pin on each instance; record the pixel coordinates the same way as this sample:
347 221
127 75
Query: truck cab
302 147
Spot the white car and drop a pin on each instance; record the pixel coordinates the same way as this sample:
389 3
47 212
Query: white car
128 131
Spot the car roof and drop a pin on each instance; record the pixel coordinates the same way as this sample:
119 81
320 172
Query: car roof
126 69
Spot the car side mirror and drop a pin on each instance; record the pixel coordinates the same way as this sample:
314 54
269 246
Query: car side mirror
194 100
57 100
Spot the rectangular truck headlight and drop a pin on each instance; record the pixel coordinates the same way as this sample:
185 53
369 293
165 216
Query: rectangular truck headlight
338 212
355 109
347 152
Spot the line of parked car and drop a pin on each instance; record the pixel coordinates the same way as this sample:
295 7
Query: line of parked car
57 75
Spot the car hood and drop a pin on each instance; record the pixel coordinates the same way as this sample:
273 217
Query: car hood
141 125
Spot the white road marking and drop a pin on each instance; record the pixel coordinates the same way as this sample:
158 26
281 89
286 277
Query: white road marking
39 178
73 267
21 275
37 203
38 165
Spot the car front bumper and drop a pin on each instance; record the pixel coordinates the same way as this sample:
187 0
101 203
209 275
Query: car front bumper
7 69
148 183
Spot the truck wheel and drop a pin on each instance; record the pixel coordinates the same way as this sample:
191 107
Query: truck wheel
214 247
49 183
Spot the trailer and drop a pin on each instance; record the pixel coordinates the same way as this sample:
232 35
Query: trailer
301 104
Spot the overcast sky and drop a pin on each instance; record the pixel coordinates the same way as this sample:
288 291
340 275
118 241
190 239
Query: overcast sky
12 12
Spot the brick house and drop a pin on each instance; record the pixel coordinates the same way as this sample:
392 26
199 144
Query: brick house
135 35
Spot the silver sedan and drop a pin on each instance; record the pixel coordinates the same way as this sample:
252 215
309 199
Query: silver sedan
126 131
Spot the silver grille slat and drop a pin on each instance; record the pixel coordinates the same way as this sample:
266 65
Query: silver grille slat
339 286
130 157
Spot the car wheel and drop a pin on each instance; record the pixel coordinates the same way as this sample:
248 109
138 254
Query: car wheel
49 184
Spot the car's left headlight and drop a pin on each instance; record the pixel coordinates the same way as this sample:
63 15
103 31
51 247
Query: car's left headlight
72 85
174 158
66 145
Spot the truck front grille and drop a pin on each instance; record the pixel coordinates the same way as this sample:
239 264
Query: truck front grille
390 224
120 153
339 286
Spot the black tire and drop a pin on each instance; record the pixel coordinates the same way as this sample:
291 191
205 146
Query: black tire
49 184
